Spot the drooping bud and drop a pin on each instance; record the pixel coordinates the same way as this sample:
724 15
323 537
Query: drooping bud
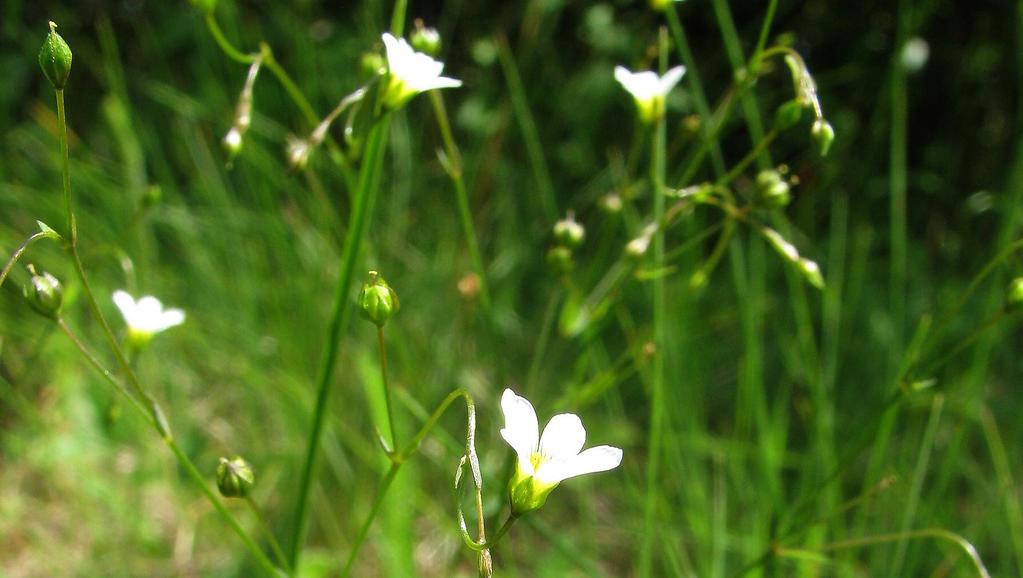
569 232
1014 295
822 136
235 477
377 301
788 115
425 39
55 58
638 247
811 272
44 293
559 259
242 113
772 190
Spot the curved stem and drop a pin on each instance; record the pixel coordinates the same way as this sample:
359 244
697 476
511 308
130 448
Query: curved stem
20 251
225 44
387 388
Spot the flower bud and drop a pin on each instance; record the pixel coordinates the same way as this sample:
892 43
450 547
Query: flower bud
1014 295
377 301
44 293
822 136
233 142
235 477
425 39
611 203
772 190
788 115
55 58
559 259
568 232
811 272
371 64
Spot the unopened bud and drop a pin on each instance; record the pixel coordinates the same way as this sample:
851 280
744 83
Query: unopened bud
371 64
788 115
44 293
559 259
298 153
55 58
611 203
377 301
1014 295
569 232
233 142
811 272
638 247
425 39
822 136
772 190
235 477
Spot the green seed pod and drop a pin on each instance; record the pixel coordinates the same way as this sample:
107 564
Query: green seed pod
44 293
788 115
772 190
559 259
822 136
1014 295
425 39
235 477
568 232
55 58
377 301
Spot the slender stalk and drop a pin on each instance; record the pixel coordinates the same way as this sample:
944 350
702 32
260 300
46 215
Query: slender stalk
387 388
144 402
378 501
454 170
274 544
19 252
657 398
365 195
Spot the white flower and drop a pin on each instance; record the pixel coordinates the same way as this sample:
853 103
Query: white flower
544 461
146 317
411 72
648 89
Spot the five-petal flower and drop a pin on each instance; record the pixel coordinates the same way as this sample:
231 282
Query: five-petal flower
146 317
544 461
648 89
410 72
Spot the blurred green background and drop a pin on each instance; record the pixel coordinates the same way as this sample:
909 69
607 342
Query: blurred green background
787 424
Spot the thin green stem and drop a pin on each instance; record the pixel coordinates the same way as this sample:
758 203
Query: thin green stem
19 252
454 170
225 44
274 544
72 226
365 196
657 397
378 501
750 157
387 388
398 17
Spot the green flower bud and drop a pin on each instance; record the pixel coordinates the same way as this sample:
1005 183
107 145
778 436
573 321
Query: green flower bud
44 293
788 115
568 232
772 190
235 477
55 58
559 259
377 301
205 6
232 142
1014 295
822 136
811 272
371 64
425 39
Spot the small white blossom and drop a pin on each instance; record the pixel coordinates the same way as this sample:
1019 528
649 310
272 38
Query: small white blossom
545 461
648 89
146 317
411 72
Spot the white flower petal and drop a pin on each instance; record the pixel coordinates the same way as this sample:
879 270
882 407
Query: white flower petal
597 459
124 302
563 437
670 79
171 318
521 429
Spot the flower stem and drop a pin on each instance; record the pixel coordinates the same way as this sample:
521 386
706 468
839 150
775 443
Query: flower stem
657 401
387 388
274 544
369 178
19 252
142 401
454 169
385 485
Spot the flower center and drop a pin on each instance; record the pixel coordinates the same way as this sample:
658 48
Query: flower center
537 459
